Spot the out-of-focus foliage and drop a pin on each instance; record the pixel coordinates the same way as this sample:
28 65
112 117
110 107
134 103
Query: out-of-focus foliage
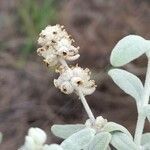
34 15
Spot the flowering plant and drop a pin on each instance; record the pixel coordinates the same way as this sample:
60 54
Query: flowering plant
96 133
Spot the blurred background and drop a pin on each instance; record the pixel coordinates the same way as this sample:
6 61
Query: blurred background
28 97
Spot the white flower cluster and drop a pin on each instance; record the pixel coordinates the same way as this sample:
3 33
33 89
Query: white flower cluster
56 45
56 49
100 122
74 79
35 140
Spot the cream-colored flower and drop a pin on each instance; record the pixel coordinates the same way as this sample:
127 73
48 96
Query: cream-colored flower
75 79
52 34
66 50
56 44
49 55
100 122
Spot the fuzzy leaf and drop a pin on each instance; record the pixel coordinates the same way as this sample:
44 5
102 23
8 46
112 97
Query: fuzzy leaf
100 141
146 110
128 82
148 45
145 138
1 136
78 140
52 147
128 49
112 126
121 141
64 131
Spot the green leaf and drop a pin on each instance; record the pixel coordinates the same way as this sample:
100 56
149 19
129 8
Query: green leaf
78 140
64 131
146 110
100 141
128 82
128 49
112 126
121 141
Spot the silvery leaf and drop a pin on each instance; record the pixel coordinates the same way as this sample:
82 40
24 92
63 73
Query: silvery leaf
112 126
128 82
100 141
146 110
148 52
52 147
78 140
108 148
146 147
128 49
121 141
64 131
145 139
1 136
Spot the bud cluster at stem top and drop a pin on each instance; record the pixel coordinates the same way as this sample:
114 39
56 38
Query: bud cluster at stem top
56 44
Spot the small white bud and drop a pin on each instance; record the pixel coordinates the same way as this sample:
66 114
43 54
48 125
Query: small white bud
100 122
29 143
38 135
66 88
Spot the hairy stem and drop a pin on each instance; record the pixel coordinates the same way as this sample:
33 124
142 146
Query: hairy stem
81 96
63 62
86 106
141 118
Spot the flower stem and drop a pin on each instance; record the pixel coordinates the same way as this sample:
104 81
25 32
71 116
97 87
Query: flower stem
63 62
86 106
83 100
141 118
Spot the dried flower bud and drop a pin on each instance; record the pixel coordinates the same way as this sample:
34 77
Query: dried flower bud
56 44
76 79
66 50
50 34
99 123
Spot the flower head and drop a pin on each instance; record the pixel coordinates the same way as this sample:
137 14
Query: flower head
52 34
56 44
75 79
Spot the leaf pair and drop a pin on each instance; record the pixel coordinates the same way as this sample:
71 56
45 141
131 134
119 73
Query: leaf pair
79 136
78 140
87 140
125 51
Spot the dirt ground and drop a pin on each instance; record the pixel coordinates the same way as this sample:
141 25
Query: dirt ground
27 95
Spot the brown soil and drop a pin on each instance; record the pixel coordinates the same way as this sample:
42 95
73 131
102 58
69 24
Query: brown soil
28 96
